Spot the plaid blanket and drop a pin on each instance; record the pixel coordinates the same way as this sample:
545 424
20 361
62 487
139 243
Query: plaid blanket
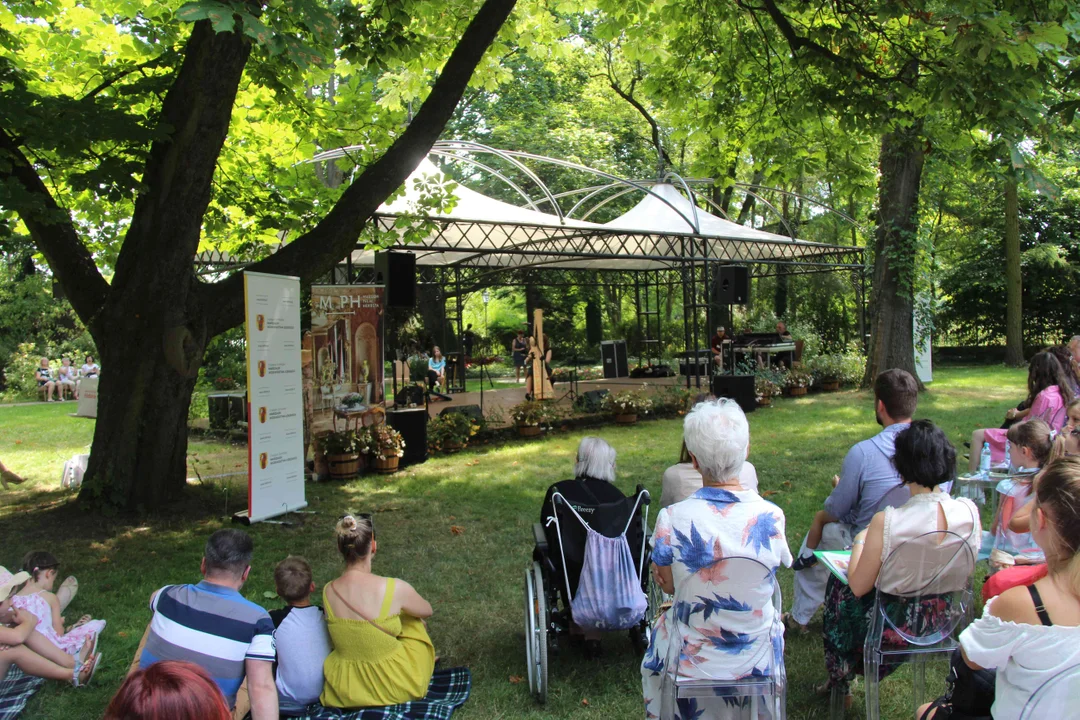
15 690
447 691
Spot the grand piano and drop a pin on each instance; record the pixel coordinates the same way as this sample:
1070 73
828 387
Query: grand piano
773 347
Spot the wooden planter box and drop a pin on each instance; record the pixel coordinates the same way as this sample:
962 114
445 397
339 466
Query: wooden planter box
796 391
529 430
343 467
452 447
830 385
387 466
765 401
626 419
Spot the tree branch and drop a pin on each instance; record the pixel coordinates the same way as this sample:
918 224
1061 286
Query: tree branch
54 234
317 251
629 97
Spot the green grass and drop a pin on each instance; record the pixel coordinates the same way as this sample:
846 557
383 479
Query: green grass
473 579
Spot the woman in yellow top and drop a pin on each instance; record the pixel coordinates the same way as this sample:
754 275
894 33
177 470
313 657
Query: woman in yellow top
382 653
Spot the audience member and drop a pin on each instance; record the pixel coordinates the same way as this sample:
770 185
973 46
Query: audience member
90 369
169 690
1030 444
1030 633
1049 391
721 519
214 626
7 477
37 598
300 636
924 459
65 379
1065 359
865 476
382 653
28 650
45 379
680 481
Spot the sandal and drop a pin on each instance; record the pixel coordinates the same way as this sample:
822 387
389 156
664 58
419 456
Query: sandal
792 625
81 667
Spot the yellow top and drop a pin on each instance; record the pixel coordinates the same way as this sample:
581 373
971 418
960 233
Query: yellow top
368 667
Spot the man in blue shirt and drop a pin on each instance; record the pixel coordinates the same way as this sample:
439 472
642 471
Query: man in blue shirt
212 625
865 476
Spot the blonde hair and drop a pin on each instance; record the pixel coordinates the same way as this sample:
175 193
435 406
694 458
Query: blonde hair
354 538
1057 496
1036 436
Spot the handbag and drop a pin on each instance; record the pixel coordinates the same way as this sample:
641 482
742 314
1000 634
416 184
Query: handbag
971 692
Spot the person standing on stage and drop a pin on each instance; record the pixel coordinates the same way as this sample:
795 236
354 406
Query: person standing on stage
518 348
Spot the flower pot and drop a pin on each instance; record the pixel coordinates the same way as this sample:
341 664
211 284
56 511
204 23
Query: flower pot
452 447
343 467
765 401
626 418
830 385
387 465
796 391
529 430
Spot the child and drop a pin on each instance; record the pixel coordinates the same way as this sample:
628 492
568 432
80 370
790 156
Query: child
1030 444
37 598
300 636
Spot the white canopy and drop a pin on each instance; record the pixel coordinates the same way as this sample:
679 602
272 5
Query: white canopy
663 230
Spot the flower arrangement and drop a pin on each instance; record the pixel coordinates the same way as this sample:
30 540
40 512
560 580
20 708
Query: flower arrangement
386 442
532 413
224 383
345 442
452 430
629 402
352 400
798 378
765 388
845 368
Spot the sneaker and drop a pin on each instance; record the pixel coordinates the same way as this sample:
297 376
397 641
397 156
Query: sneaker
803 562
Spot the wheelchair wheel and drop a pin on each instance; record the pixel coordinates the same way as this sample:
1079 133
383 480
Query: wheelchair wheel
536 641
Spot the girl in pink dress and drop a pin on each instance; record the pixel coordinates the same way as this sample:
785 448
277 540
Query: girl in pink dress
37 598
1049 391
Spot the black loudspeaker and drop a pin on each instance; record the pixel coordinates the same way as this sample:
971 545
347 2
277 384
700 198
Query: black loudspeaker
734 285
412 424
590 401
396 271
613 355
409 395
739 388
472 411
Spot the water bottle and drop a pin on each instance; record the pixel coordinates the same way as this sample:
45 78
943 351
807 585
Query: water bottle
984 459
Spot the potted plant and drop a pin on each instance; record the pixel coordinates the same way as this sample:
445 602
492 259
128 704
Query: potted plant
530 416
387 447
797 381
342 450
827 371
352 401
450 432
765 390
627 405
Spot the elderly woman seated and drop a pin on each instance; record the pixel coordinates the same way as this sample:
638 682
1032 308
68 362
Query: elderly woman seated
693 541
924 459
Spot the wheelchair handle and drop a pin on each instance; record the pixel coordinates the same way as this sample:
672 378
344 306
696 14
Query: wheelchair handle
641 489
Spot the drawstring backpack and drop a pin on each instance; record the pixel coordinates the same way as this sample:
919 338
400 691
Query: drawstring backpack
609 595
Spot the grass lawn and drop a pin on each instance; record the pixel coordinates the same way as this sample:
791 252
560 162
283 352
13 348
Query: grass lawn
457 528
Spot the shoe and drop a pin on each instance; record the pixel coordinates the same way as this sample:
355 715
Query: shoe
792 625
804 563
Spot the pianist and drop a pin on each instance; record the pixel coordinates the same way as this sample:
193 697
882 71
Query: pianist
781 330
717 346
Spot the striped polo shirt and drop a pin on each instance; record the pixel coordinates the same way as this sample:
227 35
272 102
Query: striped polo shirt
212 626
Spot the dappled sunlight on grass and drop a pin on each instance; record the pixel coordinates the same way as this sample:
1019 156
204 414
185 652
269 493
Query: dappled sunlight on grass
457 528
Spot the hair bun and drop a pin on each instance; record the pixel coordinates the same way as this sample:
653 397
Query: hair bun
348 523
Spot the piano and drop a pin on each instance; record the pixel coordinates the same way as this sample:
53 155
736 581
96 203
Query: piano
770 345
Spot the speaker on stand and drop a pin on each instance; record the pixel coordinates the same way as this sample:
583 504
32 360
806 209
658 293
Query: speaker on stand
412 424
396 271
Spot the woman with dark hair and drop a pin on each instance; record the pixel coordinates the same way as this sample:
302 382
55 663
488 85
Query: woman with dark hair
382 653
924 459
1049 391
168 690
1065 359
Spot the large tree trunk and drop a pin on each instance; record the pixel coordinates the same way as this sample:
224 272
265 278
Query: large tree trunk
892 306
1014 332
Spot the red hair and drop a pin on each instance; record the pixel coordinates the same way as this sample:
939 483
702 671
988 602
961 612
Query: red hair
169 690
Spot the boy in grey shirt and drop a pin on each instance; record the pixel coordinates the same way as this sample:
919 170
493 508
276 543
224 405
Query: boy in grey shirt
301 638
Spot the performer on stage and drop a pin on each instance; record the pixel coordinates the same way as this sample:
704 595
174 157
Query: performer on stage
717 347
518 348
781 330
436 369
786 359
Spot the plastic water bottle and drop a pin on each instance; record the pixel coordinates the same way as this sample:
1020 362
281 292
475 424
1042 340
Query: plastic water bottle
984 459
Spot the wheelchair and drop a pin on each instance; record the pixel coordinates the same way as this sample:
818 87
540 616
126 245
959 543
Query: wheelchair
558 556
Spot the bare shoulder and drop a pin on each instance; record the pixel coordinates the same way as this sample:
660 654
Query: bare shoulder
1015 605
51 599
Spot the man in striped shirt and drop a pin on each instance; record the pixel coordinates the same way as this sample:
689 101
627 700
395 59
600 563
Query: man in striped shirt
212 625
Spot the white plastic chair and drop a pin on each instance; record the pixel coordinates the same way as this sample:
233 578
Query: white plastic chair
949 564
1055 698
723 596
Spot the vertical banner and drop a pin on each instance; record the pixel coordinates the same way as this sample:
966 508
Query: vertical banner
346 351
275 398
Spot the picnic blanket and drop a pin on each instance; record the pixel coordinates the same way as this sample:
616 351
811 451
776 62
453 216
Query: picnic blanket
15 690
447 691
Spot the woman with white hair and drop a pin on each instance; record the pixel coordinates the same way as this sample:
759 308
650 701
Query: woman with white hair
595 460
721 520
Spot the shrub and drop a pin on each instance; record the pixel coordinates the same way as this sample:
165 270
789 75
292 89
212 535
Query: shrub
765 388
798 378
533 412
629 402
450 429
19 372
386 442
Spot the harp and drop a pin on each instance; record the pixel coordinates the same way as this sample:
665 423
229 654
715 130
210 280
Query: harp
542 389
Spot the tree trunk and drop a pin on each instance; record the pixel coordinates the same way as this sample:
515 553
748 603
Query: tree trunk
892 306
1014 332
